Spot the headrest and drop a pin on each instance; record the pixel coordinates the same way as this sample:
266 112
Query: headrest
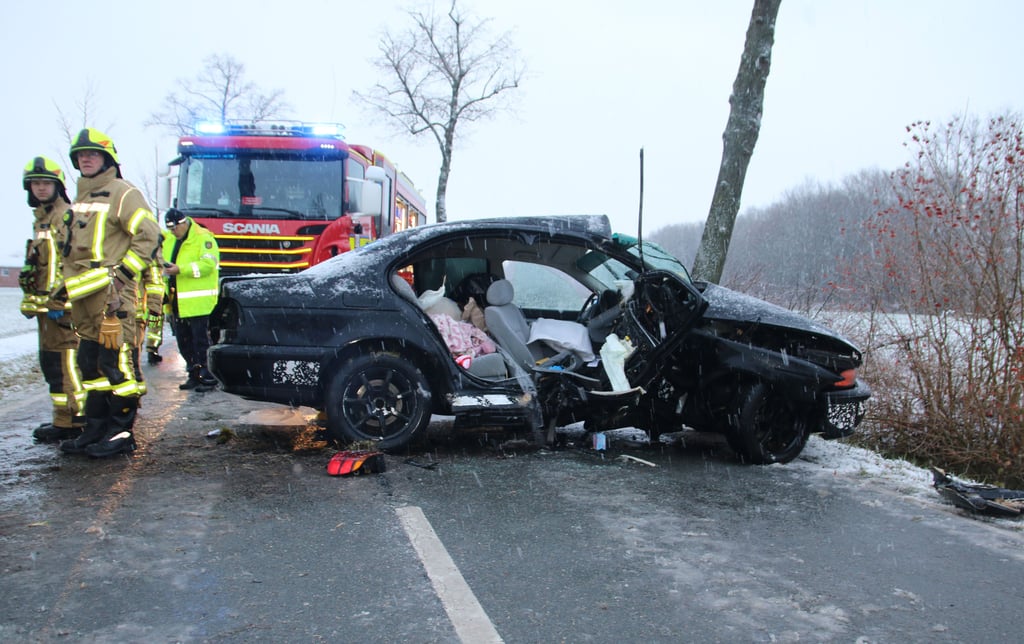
500 293
404 288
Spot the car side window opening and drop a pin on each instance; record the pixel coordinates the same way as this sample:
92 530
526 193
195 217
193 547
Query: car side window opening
450 271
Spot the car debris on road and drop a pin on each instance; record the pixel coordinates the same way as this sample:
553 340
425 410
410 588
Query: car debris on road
979 498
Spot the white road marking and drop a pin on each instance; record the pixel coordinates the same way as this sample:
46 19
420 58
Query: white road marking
466 614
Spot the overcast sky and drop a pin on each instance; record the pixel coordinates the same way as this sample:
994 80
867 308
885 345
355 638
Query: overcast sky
603 80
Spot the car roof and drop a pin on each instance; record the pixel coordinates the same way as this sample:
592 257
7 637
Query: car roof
594 228
362 267
596 225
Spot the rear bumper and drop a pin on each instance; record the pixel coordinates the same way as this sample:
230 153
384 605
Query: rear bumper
285 375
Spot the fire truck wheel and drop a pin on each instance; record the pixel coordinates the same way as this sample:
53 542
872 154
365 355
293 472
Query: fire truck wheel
379 398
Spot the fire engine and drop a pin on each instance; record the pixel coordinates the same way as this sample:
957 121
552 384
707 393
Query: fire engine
283 196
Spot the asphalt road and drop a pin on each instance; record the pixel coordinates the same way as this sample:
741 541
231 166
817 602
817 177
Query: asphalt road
192 539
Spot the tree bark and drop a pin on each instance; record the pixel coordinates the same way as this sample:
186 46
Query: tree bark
739 138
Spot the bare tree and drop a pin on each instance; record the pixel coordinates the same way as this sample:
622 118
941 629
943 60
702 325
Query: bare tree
71 121
442 72
741 131
71 124
220 92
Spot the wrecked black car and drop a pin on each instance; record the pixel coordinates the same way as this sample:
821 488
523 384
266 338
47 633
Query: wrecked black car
532 323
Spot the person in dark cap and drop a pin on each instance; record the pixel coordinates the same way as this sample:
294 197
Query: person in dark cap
193 273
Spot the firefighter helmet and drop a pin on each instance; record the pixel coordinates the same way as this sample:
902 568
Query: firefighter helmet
93 139
42 168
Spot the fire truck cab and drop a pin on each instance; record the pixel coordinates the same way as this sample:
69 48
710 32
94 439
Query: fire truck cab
283 196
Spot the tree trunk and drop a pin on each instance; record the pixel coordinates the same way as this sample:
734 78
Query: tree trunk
740 135
440 209
447 145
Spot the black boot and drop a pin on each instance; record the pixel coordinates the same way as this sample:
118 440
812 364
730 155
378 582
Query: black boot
97 409
206 381
154 357
94 430
111 444
50 433
193 379
119 438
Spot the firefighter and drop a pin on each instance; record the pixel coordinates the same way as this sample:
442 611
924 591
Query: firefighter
156 291
43 180
192 270
114 238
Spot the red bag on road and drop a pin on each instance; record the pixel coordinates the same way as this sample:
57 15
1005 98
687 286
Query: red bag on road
356 462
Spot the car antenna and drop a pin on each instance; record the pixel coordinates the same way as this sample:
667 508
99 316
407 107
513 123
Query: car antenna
640 217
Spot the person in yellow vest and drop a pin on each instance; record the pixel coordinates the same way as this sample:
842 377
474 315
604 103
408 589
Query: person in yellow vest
192 268
114 238
43 180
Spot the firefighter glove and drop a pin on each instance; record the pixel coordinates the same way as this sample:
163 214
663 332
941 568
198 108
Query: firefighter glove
58 299
110 332
27 279
120 278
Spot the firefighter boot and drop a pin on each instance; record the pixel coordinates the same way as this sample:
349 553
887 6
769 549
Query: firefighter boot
94 430
50 433
97 408
118 438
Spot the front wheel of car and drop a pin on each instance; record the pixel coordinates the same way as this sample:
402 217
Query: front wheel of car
765 427
380 398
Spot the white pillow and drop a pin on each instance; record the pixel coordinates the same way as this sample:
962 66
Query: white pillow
443 306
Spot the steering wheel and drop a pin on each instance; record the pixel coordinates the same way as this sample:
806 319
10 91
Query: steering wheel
588 310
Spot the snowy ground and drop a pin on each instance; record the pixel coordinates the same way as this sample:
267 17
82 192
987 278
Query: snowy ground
18 346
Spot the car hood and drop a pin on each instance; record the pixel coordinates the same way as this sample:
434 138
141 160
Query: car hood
726 304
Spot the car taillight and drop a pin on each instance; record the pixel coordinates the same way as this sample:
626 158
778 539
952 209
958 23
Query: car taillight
849 378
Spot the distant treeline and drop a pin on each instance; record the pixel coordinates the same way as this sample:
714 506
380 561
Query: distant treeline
801 251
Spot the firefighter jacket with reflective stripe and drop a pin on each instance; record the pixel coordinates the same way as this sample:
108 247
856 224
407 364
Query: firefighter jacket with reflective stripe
193 291
112 228
43 255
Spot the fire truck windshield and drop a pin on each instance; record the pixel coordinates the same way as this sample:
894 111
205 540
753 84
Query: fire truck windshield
265 187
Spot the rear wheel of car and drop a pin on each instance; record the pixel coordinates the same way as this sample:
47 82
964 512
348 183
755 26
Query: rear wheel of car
380 398
765 427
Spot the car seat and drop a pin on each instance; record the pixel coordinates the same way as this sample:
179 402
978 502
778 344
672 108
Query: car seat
508 325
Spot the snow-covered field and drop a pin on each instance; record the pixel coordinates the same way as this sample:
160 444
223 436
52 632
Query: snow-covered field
18 345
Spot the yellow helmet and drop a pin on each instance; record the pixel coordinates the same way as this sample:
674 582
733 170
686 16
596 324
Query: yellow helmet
43 168
93 139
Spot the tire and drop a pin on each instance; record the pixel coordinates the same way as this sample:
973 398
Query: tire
379 398
766 428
